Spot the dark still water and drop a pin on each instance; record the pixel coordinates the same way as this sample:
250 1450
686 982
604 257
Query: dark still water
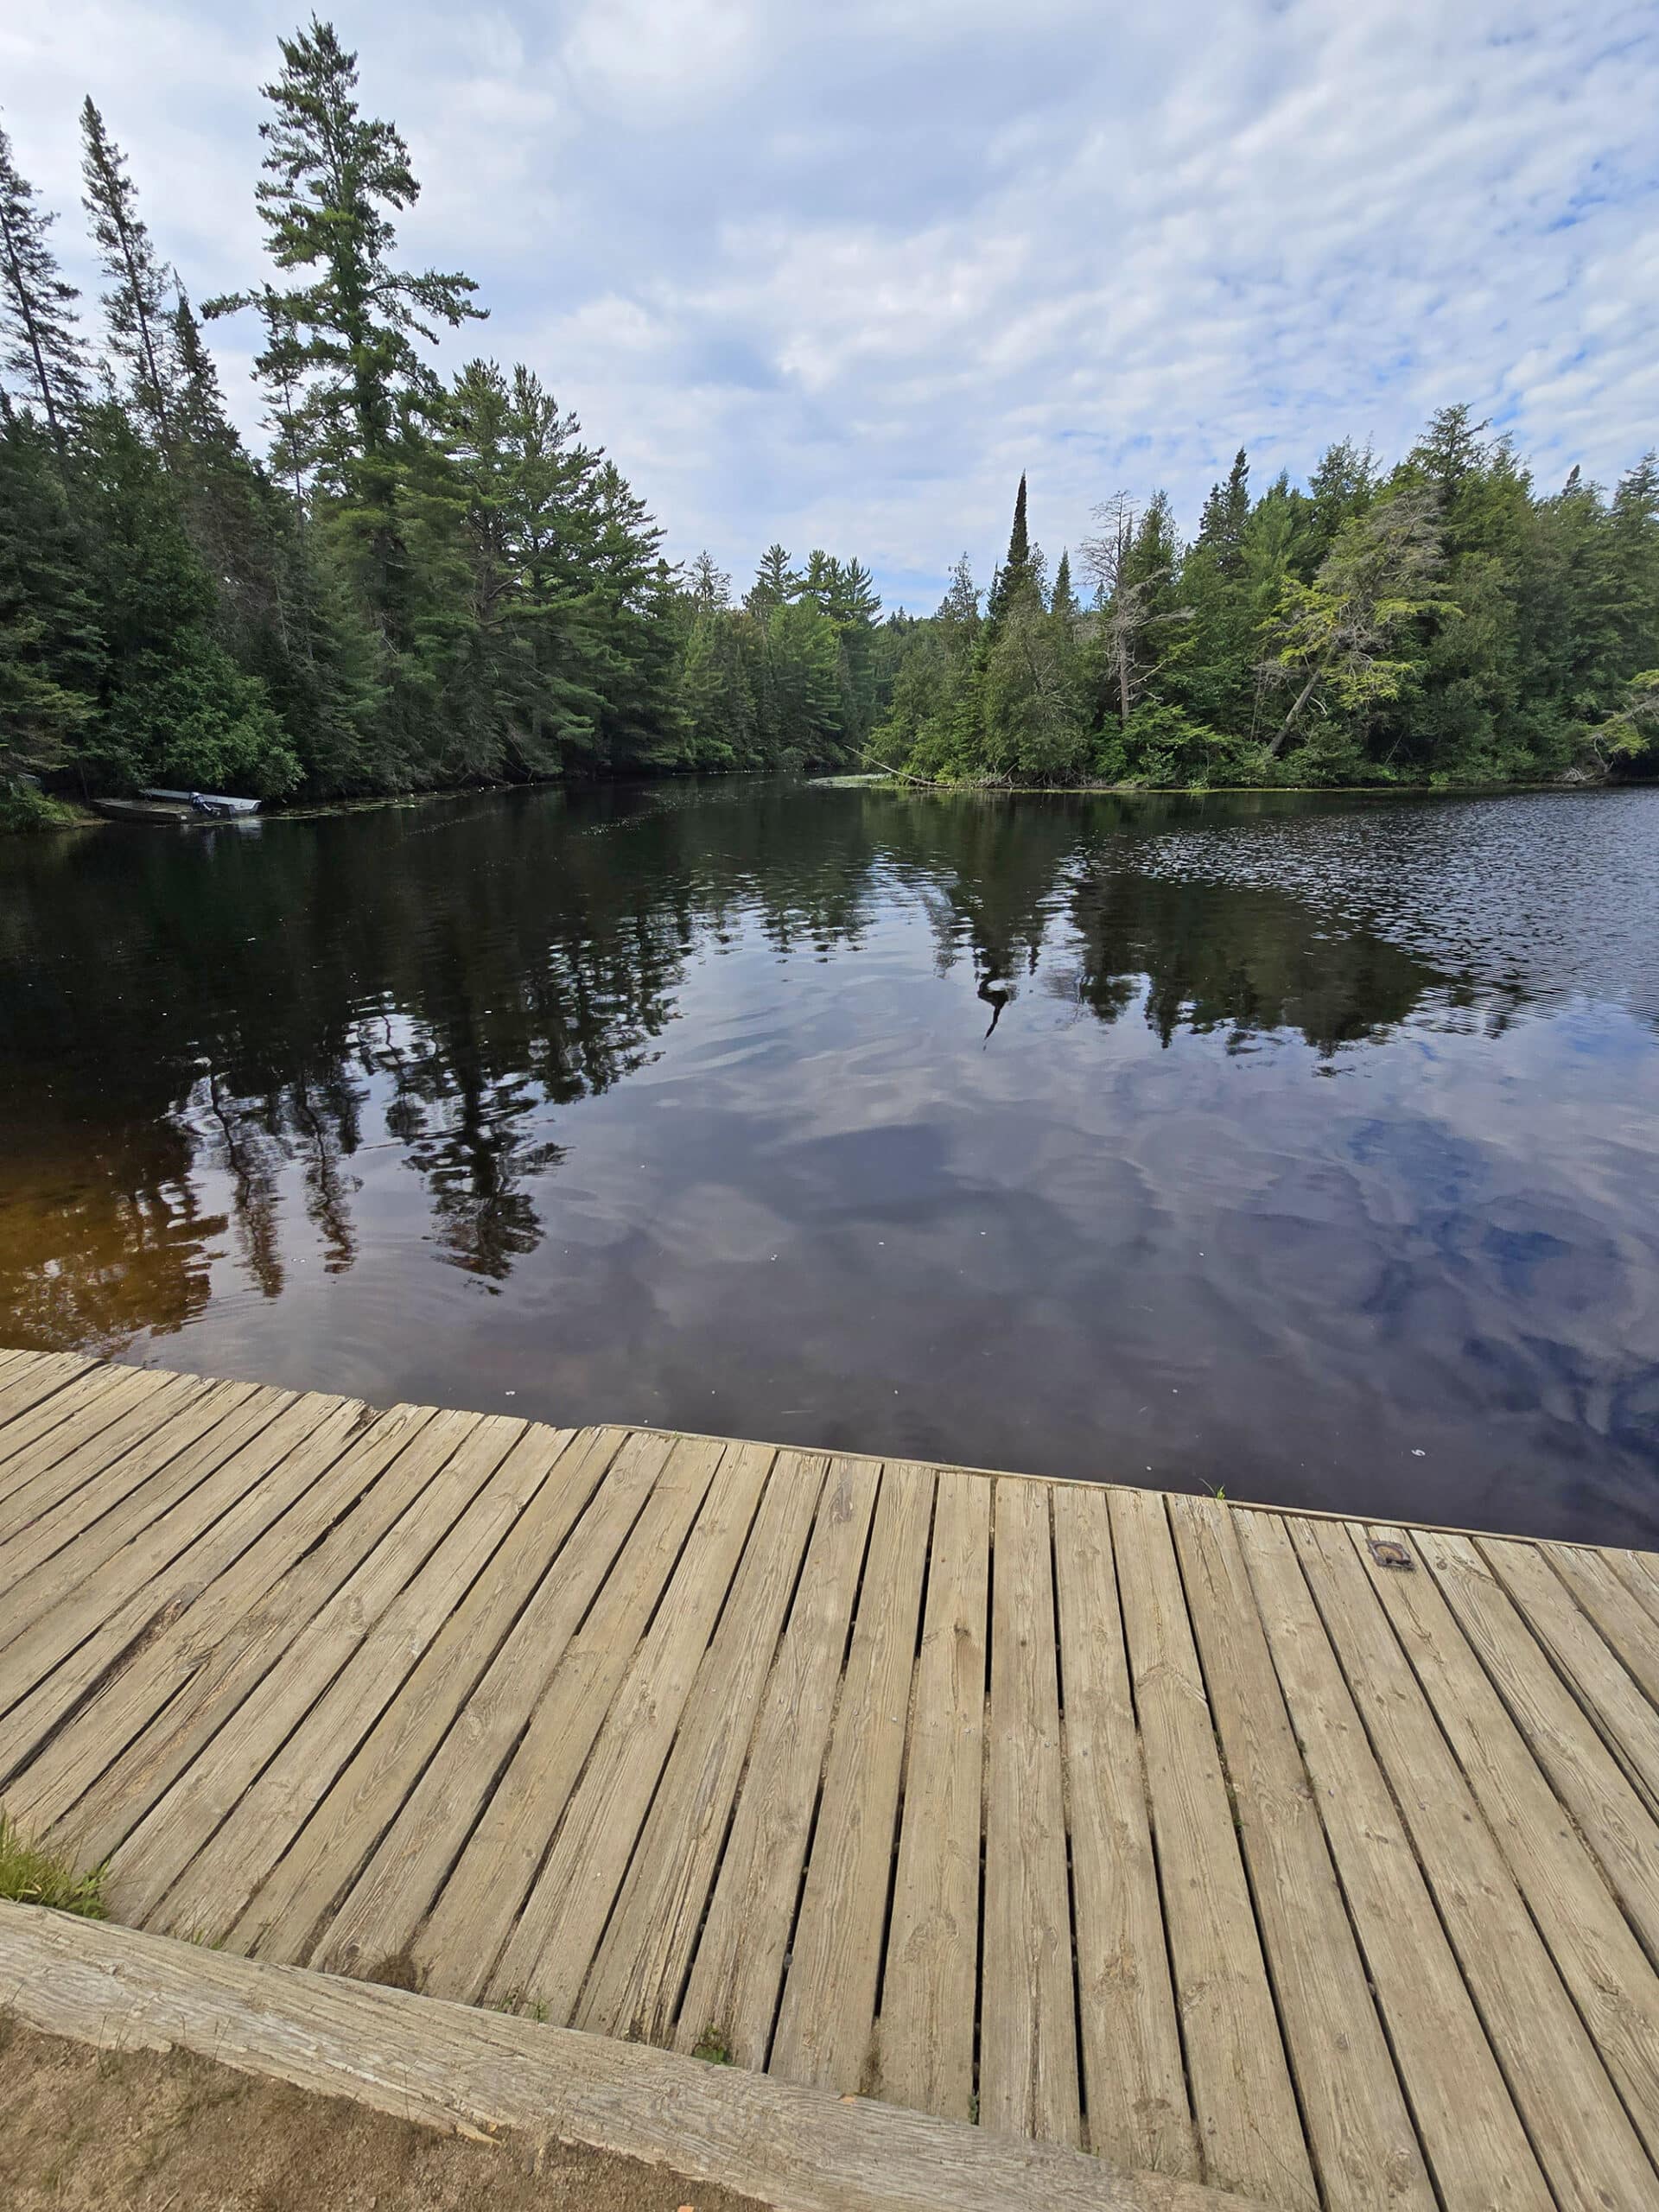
1303 1146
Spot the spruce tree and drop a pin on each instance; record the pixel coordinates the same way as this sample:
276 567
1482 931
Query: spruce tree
1227 510
51 647
1342 485
199 403
1018 541
1063 600
1015 574
176 709
136 303
41 346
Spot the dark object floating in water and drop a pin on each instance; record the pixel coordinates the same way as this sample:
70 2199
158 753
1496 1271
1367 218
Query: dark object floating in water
1387 1553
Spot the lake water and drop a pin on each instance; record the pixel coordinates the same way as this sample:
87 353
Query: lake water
1306 1148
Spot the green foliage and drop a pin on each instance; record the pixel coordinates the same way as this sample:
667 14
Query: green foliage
1438 625
1032 692
1334 642
1014 580
339 343
51 654
176 710
789 680
24 808
421 584
39 347
136 303
30 1874
1632 732
1162 747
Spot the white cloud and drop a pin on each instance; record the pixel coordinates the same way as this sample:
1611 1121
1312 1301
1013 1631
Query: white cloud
837 276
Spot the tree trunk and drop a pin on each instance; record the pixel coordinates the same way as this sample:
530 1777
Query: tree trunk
1289 722
145 340
26 316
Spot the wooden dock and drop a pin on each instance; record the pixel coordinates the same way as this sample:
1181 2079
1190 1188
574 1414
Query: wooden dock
1194 1834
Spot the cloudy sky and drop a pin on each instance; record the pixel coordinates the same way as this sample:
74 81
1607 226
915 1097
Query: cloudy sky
835 274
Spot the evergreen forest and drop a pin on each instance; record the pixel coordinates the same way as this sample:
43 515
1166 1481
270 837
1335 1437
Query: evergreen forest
419 583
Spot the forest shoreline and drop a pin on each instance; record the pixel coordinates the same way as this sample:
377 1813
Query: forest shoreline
61 813
426 583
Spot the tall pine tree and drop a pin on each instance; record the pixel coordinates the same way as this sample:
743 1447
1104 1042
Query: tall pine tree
42 350
136 303
345 335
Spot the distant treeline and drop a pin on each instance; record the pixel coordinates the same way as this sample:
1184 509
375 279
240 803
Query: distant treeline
421 584
1439 622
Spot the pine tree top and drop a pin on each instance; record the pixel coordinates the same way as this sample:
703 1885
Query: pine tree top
1018 538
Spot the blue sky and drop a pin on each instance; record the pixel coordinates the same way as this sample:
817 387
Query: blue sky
836 274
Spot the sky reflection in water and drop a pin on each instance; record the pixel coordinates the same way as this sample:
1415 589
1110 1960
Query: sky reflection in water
1301 1147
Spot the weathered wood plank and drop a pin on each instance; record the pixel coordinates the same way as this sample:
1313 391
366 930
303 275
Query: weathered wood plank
390 1898
478 1496
1029 2079
448 2067
1639 1571
187 1684
59 1493
457 1949
739 1969
1527 1753
143 1472
308 1468
131 1474
602 1723
552 1943
1477 2148
1133 2081
827 2008
1248 2129
1628 1625
31 1379
930 1988
1609 1699
78 1407
642 1962
1365 2150
165 1846
95 1632
195 1476
1575 2118
281 1919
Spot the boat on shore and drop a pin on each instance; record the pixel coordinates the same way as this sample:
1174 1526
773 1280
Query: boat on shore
158 814
211 802
176 810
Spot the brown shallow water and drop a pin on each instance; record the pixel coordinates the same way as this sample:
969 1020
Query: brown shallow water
1304 1147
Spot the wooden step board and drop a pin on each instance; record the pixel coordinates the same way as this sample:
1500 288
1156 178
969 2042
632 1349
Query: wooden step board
468 2072
1299 1857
